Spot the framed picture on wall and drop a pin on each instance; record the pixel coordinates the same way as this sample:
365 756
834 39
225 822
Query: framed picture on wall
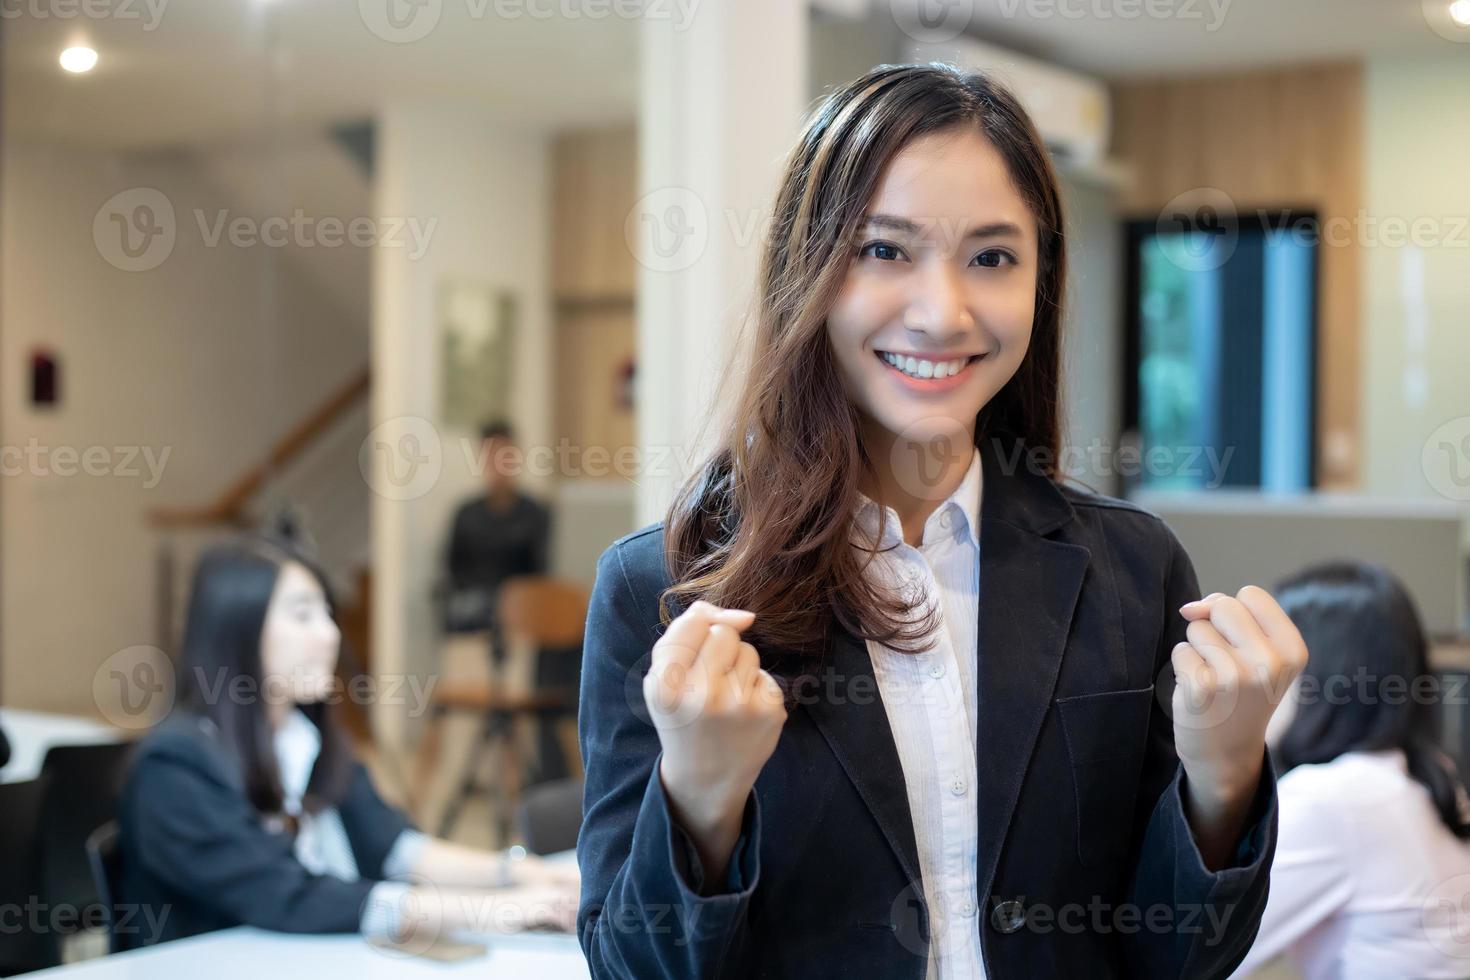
477 326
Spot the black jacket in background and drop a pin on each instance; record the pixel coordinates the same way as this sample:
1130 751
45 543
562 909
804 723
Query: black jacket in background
194 848
1081 795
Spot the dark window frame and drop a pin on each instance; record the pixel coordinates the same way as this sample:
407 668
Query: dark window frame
1137 229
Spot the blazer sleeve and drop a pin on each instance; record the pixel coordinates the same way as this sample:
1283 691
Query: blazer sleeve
194 830
642 913
372 826
1214 915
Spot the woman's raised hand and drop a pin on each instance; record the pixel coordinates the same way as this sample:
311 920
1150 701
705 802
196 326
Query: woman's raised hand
718 714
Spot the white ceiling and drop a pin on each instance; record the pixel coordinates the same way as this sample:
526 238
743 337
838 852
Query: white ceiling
1212 35
212 70
1117 38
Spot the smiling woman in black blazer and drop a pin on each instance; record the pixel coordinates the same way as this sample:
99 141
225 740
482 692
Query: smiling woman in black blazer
883 696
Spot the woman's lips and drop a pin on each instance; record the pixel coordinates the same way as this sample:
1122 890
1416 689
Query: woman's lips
931 385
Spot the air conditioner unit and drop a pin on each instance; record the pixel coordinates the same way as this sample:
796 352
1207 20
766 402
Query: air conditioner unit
1072 111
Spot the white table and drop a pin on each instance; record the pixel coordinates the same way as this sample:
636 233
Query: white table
32 733
251 954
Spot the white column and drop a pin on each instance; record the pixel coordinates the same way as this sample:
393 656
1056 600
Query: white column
479 190
723 90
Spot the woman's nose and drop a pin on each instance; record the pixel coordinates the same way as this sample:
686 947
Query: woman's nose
938 305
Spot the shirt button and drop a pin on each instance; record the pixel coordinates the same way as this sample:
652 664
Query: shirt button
959 786
937 671
967 909
945 520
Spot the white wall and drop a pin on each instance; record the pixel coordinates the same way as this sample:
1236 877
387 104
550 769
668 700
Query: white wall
1092 336
720 107
185 358
1416 300
487 187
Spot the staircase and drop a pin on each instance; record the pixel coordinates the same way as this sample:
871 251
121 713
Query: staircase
310 473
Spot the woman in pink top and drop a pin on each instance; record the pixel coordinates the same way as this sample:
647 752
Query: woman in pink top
1372 870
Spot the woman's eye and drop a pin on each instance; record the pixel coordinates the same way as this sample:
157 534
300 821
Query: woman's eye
994 258
885 251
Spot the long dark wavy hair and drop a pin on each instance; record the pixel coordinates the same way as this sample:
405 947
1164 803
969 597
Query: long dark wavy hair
1358 619
763 523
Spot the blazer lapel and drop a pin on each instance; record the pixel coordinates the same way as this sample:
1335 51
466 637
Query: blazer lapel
1029 586
855 724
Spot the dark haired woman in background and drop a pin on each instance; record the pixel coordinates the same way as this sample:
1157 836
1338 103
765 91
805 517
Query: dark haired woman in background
969 772
1372 871
247 807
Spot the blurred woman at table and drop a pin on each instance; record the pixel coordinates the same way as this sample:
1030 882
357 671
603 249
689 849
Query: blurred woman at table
247 806
1372 871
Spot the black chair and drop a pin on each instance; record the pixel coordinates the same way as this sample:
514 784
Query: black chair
105 860
25 949
550 816
82 784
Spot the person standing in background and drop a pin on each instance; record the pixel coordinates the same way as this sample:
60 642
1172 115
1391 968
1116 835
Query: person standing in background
497 534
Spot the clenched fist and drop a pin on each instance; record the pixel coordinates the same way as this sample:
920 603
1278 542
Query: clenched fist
719 717
1241 656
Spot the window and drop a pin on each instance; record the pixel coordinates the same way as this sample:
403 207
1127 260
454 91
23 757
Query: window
1220 358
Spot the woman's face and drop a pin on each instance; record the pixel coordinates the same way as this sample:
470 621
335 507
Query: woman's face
935 314
299 642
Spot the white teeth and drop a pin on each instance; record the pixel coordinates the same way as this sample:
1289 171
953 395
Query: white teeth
918 368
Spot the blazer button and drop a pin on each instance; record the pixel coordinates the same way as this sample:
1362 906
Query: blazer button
1008 916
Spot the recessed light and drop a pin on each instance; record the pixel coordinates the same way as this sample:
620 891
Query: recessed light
78 59
1460 12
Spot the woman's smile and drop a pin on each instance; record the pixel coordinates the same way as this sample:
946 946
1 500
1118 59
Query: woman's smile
928 373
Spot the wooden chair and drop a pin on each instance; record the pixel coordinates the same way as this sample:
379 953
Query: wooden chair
538 617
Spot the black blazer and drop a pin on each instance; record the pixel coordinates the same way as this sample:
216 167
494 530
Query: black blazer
194 848
1087 866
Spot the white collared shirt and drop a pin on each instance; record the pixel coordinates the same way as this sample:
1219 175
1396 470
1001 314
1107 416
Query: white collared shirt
1367 882
931 704
322 846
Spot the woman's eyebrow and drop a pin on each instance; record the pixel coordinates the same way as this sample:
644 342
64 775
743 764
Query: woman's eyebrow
992 229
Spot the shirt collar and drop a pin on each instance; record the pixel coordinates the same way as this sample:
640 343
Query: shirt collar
297 744
961 507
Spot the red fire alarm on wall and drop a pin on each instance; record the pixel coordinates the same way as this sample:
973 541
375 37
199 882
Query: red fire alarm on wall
45 377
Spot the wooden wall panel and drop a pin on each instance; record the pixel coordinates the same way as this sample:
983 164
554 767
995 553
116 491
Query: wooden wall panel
594 278
1269 139
595 187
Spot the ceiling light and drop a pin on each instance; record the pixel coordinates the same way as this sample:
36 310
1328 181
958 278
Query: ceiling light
1460 12
78 59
